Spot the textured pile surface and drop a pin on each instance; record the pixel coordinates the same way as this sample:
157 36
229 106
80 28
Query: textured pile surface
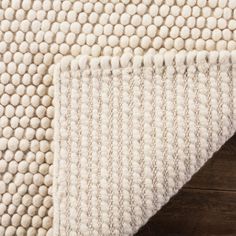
35 35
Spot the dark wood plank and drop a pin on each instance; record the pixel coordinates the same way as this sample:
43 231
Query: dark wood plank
205 206
220 171
195 213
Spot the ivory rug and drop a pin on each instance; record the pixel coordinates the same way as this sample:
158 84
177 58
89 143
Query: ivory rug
108 107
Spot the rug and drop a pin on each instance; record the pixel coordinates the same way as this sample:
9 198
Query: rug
108 107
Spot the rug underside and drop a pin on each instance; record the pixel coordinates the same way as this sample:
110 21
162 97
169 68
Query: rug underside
131 130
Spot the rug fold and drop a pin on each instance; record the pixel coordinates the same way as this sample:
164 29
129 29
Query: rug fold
130 131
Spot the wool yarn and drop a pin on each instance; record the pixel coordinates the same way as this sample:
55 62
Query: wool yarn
34 36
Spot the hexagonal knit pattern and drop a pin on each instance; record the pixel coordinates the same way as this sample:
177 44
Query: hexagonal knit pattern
133 66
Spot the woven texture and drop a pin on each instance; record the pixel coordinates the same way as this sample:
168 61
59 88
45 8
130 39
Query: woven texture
131 131
35 35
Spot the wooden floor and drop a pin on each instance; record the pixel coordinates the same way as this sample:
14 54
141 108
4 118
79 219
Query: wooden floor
206 206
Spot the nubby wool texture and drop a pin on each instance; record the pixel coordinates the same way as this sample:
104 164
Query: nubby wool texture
108 107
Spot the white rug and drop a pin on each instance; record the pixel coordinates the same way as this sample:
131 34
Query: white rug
159 103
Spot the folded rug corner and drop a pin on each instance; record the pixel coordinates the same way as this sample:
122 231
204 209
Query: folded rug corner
130 131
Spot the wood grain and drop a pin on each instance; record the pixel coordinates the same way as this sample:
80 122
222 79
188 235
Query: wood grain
206 206
219 172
